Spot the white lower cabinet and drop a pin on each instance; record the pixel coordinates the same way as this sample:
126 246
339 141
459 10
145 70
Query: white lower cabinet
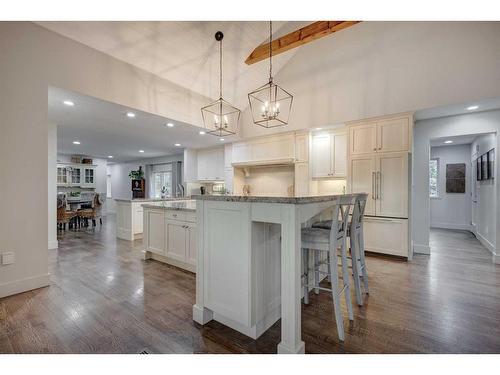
176 240
154 238
386 236
172 235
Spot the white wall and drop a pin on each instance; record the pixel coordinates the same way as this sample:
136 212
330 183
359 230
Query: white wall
452 210
424 131
32 59
484 218
52 186
380 68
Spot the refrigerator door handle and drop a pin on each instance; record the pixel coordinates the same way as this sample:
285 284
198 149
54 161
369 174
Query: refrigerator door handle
379 183
373 186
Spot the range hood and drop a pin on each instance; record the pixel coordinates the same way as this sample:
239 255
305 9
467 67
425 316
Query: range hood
255 163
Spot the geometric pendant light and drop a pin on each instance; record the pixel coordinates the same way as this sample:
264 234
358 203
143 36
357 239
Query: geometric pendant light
220 118
270 104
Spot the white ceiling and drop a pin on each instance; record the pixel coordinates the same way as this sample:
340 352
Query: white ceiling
458 109
186 53
457 140
103 129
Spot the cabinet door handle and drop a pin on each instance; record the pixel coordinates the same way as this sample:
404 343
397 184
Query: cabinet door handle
374 149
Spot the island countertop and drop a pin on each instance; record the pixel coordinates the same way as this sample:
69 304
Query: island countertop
149 199
264 199
180 205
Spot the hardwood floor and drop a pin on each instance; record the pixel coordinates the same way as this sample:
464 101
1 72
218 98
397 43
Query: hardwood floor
105 299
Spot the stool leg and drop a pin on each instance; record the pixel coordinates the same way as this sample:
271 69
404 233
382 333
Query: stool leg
363 260
316 272
355 269
346 278
337 307
305 263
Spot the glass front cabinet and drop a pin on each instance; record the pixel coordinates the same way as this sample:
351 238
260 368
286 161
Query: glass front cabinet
76 175
88 177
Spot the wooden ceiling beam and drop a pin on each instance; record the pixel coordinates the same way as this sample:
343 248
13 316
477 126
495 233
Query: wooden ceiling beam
298 38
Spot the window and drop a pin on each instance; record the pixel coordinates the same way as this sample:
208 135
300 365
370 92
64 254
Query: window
162 181
434 178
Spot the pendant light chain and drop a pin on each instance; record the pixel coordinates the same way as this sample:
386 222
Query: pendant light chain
220 69
270 51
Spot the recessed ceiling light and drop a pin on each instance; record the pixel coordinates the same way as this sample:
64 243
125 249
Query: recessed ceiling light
319 128
110 156
222 139
448 142
177 145
202 132
76 142
69 103
130 114
472 107
170 125
141 151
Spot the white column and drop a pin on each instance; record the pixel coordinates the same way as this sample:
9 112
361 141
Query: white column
291 342
201 314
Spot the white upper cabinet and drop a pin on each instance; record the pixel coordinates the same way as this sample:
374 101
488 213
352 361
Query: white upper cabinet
321 156
302 147
88 177
388 135
76 175
393 135
339 152
329 155
271 148
211 164
363 139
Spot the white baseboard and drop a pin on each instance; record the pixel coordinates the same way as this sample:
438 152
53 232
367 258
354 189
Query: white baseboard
23 285
487 244
452 226
421 249
496 259
53 244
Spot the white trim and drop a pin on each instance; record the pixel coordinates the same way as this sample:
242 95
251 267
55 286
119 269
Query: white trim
53 245
452 226
421 249
487 244
23 285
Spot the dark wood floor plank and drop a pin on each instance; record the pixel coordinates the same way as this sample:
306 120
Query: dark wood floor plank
105 299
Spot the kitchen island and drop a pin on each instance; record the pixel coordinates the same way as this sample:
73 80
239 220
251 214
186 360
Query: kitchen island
129 216
249 262
170 232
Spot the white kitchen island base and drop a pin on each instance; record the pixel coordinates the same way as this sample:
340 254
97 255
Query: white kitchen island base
249 263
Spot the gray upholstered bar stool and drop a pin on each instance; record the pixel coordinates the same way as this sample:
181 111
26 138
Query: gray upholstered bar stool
357 244
321 242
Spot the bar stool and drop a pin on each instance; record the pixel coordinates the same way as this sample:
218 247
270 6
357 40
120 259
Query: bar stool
357 244
320 241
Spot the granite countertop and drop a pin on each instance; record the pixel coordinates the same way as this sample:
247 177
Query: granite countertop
149 199
183 205
259 199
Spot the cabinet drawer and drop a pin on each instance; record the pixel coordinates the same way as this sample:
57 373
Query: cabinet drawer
191 217
176 215
386 236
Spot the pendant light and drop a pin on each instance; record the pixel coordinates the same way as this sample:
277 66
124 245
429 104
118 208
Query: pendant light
270 104
220 118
